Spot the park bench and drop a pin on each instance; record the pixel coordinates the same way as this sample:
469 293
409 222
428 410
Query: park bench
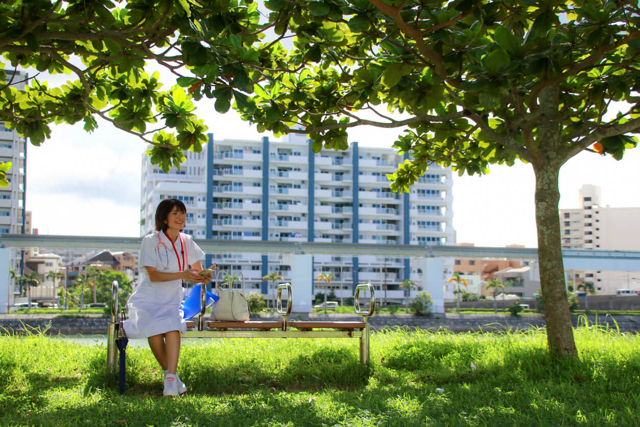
282 328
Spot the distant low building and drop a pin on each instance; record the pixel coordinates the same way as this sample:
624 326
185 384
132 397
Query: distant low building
523 281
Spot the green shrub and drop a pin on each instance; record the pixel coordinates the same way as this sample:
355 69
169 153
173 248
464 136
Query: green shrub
256 302
422 303
482 297
573 302
393 309
515 309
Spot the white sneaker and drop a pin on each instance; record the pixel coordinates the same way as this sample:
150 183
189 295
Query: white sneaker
171 386
182 389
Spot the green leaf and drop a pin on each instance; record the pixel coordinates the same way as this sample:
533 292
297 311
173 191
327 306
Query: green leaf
540 26
505 38
494 61
392 74
243 102
32 42
318 8
222 105
489 99
359 23
5 166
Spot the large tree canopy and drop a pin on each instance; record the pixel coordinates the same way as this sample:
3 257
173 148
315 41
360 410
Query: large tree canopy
475 82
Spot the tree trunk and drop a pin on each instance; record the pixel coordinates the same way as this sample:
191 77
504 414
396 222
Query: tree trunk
495 304
95 293
546 166
458 298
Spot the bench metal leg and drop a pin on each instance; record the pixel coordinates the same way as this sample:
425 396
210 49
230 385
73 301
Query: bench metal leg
112 349
364 344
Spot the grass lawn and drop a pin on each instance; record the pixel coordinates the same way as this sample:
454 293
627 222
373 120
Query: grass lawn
415 379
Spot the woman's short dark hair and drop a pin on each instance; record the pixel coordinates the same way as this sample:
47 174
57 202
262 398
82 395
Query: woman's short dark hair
163 210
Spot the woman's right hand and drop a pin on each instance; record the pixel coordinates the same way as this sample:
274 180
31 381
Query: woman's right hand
192 276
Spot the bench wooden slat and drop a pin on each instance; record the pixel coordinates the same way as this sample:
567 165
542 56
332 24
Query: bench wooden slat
326 324
191 324
250 324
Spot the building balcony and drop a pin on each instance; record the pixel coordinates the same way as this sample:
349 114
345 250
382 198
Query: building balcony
232 157
299 208
298 225
341 194
432 198
323 194
322 210
288 175
385 212
237 189
378 227
342 178
372 163
245 223
435 216
288 158
237 173
320 225
376 195
229 206
294 192
370 179
4 203
323 161
322 177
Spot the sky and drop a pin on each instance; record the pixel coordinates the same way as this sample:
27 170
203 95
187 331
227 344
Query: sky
89 184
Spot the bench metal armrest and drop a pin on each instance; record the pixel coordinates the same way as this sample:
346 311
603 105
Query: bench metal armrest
284 312
372 300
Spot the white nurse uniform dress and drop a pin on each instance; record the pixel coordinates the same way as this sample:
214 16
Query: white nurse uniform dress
154 307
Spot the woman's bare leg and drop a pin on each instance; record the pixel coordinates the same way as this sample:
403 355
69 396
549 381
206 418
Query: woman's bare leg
159 349
172 351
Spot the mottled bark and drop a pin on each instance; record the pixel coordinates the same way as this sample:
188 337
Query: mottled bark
547 169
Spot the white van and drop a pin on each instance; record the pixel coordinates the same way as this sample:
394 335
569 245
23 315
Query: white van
622 292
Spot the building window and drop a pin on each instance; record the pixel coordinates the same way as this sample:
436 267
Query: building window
588 224
567 215
587 199
472 262
457 262
567 232
567 223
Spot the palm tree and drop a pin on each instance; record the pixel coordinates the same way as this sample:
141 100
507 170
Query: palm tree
32 279
273 276
407 285
456 278
81 281
326 277
589 289
94 274
495 284
54 275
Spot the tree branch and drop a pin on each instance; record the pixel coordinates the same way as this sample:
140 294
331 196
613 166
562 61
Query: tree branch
599 133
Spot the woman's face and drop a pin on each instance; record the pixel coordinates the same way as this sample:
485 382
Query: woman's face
176 219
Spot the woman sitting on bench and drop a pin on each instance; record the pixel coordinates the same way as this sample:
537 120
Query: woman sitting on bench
154 307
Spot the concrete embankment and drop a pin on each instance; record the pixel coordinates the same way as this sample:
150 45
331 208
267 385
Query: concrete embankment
454 322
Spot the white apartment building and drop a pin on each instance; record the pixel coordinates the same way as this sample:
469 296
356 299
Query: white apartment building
593 226
12 198
281 190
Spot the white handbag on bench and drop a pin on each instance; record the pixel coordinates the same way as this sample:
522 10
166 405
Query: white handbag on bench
232 306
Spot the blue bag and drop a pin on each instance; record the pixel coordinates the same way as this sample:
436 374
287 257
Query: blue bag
191 306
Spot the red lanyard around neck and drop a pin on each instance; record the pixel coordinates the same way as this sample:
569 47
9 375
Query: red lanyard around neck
183 266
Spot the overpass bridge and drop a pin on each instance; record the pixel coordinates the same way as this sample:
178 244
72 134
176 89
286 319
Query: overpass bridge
432 256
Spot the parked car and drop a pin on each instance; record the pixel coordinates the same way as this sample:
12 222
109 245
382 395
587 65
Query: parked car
25 305
97 304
